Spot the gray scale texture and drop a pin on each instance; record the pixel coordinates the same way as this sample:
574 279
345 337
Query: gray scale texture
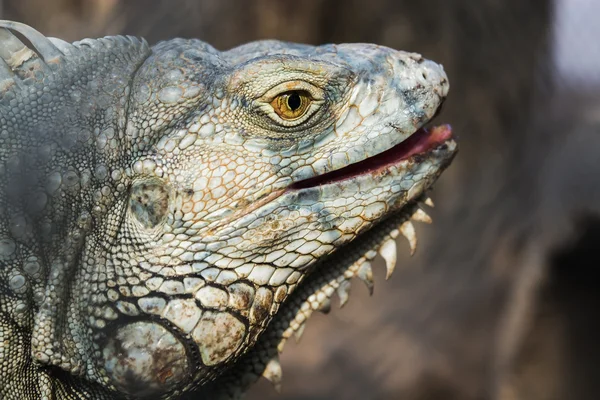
159 233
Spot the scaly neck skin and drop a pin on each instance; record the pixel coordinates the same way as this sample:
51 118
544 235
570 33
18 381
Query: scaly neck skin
62 159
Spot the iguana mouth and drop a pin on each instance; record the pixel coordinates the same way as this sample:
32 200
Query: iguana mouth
419 143
423 141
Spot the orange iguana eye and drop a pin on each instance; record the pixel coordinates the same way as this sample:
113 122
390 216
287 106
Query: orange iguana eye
291 105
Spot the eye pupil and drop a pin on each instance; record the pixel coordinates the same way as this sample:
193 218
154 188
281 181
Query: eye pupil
292 104
294 101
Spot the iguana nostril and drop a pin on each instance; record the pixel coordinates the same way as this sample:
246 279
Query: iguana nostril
145 359
434 74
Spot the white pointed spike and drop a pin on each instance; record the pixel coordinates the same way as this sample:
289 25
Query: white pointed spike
388 252
325 306
429 202
343 292
274 373
365 273
408 230
298 332
421 216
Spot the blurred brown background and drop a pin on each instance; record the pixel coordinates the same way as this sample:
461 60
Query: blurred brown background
499 301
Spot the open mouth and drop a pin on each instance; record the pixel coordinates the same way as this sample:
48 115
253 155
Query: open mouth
419 142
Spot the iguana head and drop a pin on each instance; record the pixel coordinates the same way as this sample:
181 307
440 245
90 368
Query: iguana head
247 169
171 215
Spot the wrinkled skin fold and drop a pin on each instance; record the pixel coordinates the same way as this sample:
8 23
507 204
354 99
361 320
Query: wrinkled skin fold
170 215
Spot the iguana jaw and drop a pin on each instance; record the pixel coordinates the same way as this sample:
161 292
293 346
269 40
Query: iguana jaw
418 145
435 147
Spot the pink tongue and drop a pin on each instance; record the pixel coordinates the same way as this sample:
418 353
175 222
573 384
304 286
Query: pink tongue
418 142
421 141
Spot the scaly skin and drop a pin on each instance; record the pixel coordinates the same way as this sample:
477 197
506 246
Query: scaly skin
165 227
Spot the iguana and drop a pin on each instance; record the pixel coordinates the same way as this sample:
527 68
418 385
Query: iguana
170 215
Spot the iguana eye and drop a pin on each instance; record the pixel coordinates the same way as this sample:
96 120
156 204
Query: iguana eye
292 105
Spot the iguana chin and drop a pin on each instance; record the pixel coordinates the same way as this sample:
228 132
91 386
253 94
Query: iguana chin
170 215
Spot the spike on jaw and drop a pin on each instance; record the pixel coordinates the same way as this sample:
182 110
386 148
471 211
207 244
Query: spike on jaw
325 306
408 230
343 292
429 202
365 273
421 216
388 252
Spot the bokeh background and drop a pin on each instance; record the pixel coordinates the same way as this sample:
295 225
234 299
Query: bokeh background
498 302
